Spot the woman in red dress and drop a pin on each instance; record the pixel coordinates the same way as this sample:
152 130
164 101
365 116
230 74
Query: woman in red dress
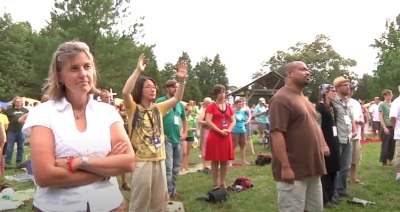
219 148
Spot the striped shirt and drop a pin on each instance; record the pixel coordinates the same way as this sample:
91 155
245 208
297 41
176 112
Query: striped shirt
344 128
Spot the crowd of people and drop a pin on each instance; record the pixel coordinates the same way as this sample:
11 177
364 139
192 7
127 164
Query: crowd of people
79 145
329 133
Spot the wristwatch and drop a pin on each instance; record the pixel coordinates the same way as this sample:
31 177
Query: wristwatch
85 161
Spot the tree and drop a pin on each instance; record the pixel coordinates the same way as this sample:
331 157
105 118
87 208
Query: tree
387 74
15 69
324 63
219 72
95 23
366 88
210 72
167 73
192 91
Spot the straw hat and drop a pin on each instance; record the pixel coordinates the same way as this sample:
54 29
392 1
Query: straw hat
339 81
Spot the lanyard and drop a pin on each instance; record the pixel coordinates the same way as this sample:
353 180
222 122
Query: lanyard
344 104
150 119
332 112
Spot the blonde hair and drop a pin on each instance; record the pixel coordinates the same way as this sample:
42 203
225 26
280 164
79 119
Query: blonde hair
53 87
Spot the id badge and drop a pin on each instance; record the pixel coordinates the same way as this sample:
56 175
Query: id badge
224 124
347 119
157 142
176 120
334 130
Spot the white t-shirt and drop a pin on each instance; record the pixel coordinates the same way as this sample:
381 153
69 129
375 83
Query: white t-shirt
58 116
374 109
357 114
395 113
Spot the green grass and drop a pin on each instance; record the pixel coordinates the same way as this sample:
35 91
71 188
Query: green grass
380 187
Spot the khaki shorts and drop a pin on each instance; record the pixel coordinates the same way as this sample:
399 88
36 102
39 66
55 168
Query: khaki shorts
356 158
239 139
397 153
261 129
303 195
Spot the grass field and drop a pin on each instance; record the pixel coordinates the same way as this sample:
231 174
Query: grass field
380 187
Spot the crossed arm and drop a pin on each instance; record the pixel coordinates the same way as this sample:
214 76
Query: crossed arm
54 172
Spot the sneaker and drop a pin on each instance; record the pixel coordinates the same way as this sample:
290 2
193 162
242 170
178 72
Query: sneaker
329 205
345 194
336 201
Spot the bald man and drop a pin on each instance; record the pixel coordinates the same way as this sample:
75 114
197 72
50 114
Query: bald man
297 144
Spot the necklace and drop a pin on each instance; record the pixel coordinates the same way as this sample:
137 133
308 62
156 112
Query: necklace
77 116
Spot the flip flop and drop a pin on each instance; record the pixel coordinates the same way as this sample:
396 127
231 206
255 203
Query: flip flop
357 182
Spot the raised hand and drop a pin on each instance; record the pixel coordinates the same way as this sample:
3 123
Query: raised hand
141 64
181 73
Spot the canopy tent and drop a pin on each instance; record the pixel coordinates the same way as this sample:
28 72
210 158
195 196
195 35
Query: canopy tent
4 104
30 100
269 83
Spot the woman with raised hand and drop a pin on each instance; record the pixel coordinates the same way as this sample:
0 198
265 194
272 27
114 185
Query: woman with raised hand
149 181
78 145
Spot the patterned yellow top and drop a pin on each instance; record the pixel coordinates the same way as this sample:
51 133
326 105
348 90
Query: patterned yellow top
141 136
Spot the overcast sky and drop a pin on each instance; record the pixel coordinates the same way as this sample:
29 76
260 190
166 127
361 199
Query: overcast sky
244 33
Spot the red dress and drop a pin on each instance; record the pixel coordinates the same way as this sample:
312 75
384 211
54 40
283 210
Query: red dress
219 147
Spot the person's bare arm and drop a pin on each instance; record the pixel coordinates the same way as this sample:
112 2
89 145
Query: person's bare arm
2 136
200 118
383 124
47 174
116 164
128 87
214 127
279 148
22 119
393 121
181 75
184 128
233 123
354 128
248 116
122 112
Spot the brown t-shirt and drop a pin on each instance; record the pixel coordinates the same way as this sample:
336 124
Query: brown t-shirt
291 113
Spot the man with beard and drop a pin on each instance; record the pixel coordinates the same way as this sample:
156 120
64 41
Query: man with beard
175 129
346 131
297 144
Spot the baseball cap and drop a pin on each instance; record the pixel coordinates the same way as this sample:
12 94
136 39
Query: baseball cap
325 88
353 86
